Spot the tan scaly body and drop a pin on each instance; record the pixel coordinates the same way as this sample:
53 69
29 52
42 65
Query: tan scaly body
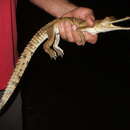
51 32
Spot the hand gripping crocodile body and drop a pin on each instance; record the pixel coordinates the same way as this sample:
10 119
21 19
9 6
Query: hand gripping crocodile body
52 34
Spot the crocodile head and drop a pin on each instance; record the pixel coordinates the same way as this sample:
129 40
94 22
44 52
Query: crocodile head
105 25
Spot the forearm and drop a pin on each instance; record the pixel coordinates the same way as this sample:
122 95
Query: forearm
56 8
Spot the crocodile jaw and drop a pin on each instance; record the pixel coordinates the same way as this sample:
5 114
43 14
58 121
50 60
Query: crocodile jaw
105 25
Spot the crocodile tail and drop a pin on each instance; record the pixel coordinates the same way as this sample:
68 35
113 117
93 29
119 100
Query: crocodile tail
21 65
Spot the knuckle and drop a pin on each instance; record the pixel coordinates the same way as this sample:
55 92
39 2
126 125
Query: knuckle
90 21
70 39
92 40
90 11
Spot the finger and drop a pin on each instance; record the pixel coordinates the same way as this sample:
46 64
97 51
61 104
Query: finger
68 31
92 17
62 30
88 17
90 20
90 38
78 37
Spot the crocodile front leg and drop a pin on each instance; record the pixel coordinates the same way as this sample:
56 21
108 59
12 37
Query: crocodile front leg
47 45
58 50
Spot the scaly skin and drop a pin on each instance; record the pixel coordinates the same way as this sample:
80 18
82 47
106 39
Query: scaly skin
51 31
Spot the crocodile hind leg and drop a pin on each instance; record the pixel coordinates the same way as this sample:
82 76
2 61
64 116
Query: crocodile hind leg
47 45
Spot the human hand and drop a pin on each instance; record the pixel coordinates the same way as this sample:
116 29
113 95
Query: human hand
68 33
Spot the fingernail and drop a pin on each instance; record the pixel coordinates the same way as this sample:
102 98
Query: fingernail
79 43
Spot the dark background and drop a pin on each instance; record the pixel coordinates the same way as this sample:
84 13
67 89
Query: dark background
100 70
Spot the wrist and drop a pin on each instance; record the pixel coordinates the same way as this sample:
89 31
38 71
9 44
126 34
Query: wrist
56 8
66 9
